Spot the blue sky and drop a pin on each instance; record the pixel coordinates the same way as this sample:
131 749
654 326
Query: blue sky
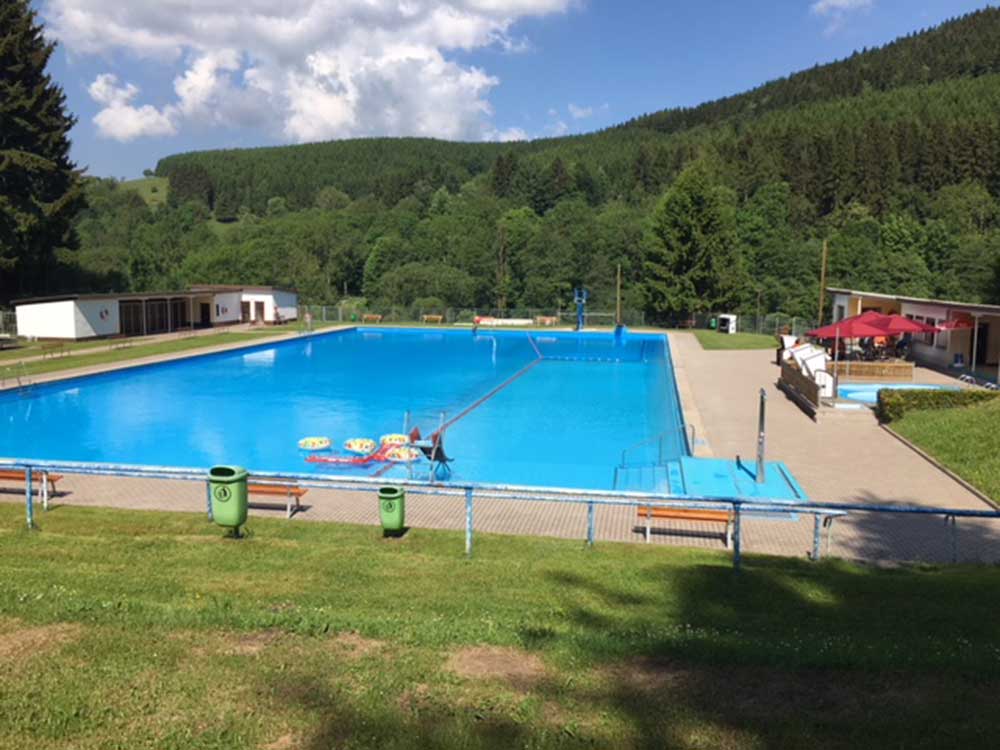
154 78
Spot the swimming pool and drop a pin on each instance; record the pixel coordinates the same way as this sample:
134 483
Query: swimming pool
867 393
553 409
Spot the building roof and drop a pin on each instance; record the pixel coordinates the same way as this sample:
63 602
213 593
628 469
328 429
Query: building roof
238 288
109 295
989 309
192 291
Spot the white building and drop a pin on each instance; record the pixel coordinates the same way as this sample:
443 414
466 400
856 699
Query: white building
83 316
971 332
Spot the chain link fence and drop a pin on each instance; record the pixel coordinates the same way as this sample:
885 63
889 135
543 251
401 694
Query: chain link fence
354 313
855 532
8 323
771 324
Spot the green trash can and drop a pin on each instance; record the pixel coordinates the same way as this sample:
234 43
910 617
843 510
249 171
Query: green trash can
227 486
713 323
392 510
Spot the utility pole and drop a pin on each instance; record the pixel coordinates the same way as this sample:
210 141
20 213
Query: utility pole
822 284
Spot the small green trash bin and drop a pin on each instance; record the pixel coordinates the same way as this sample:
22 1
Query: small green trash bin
713 323
392 509
227 486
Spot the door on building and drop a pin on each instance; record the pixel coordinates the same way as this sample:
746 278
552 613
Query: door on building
206 314
258 312
130 318
245 312
982 343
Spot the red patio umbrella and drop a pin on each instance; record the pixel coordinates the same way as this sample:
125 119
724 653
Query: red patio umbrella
857 327
955 324
894 325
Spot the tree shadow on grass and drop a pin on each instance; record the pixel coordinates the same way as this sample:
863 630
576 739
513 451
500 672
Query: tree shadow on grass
783 654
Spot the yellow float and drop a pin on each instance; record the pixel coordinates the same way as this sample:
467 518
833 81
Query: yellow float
402 454
395 438
361 446
314 443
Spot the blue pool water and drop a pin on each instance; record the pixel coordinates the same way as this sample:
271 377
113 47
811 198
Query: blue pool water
867 393
574 403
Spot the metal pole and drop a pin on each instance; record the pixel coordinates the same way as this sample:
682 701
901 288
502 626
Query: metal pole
817 527
590 524
953 522
761 437
737 540
468 522
29 507
208 501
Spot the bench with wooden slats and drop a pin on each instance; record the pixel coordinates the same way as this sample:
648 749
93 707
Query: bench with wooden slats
291 493
47 481
432 318
371 318
721 517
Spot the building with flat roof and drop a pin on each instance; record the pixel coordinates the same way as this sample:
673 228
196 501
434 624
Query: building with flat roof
970 335
83 316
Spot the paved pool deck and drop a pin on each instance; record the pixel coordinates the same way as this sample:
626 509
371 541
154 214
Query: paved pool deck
848 458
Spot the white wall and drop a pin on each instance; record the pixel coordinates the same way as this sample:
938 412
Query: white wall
96 318
47 320
226 307
285 302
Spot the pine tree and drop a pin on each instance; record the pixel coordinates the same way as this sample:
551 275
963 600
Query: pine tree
40 188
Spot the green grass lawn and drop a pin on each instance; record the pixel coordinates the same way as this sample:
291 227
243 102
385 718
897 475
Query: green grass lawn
153 190
714 340
127 629
966 440
137 350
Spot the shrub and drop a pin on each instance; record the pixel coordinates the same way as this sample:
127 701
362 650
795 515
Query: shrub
893 403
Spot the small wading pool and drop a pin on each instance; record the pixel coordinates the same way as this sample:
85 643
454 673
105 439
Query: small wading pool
867 393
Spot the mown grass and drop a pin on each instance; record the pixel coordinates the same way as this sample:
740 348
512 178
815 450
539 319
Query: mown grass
153 190
713 340
965 439
150 630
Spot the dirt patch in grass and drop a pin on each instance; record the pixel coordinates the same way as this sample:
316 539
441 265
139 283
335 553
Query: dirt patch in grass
284 742
416 699
519 669
355 646
251 644
19 642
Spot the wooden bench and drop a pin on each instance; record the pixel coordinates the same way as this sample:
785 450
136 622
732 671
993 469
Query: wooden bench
546 320
371 318
432 318
54 349
291 493
48 481
722 517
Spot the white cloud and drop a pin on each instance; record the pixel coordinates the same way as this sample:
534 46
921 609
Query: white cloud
836 11
579 113
309 69
119 119
507 135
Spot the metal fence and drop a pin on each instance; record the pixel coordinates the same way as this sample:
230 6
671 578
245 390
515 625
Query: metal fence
887 533
8 323
353 313
770 324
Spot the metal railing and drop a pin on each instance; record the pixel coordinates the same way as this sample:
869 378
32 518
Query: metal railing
824 514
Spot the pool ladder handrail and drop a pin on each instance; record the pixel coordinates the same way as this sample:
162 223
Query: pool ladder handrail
21 378
660 439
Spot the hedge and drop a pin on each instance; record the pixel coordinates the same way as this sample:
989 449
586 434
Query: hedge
894 403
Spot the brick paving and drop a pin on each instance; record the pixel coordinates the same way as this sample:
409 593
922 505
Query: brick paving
843 459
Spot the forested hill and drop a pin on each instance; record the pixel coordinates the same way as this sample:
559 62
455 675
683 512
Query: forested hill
965 47
892 155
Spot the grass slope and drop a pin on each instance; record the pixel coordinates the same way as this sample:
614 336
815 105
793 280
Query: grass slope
713 340
966 440
153 190
127 629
